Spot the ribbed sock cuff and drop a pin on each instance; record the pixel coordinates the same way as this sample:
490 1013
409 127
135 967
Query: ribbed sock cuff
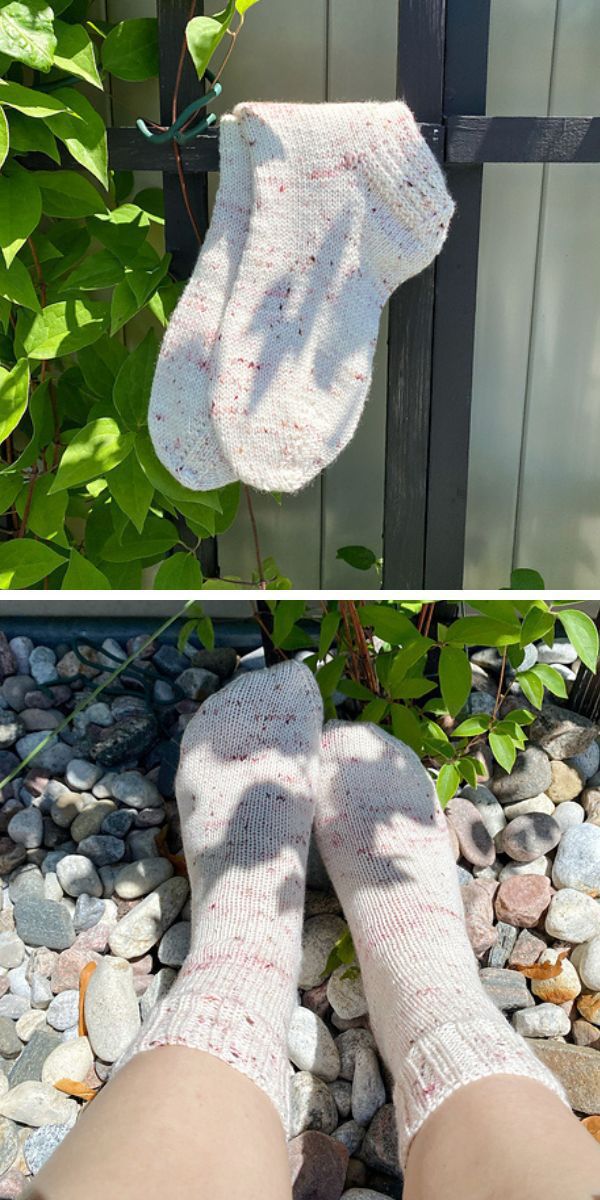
454 1055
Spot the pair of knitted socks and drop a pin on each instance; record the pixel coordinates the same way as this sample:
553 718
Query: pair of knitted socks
322 211
256 770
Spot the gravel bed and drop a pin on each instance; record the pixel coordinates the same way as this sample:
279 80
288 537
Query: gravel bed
92 874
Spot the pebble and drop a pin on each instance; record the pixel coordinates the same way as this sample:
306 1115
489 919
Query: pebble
528 837
53 757
368 1091
573 916
312 1105
42 664
539 866
168 659
345 993
18 983
142 844
490 810
586 958
541 803
363 1194
36 720
111 1009
348 1044
78 876
174 946
588 761
41 1144
588 1005
44 923
508 989
26 828
141 877
569 814
530 775
567 782
89 910
317 1166
13 1006
500 952
577 861
41 992
26 884
197 683
118 823
145 924
31 1022
90 820
10 1044
31 1062
70 1060
103 849
160 984
35 1103
14 689
12 729
341 1090
66 806
584 1033
136 791
320 935
561 651
476 844
591 804
20 648
124 741
562 733
380 1147
545 1020
522 900
64 1010
9 1145
351 1135
12 949
478 902
578 1069
311 1046
81 775
561 988
11 855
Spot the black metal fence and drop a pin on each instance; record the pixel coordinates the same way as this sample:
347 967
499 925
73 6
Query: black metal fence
442 75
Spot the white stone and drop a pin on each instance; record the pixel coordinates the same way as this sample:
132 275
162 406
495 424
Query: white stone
312 1105
345 993
573 916
144 925
12 949
77 875
541 803
568 814
71 1060
35 1103
139 878
545 1020
111 1008
29 1023
174 945
311 1046
586 958
64 1010
577 861
539 866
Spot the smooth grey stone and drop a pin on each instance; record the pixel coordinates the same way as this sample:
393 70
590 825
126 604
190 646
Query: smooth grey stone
312 1105
53 757
18 982
12 950
341 1090
136 791
27 828
35 1053
310 1044
78 876
20 648
89 910
196 682
82 775
528 837
142 844
503 947
350 1134
530 776
64 1010
10 1043
368 1090
15 688
9 1145
118 823
35 1103
577 861
44 923
102 849
26 883
561 651
41 1145
562 733
143 926
174 945
13 1006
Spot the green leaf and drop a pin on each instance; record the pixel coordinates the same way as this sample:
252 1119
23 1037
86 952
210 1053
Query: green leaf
407 727
447 783
473 726
413 689
582 634
375 711
27 135
4 137
287 613
551 679
329 627
522 716
524 579
359 557
474 631
46 517
531 686
28 101
356 691
123 231
455 678
243 5
164 482
16 285
40 415
20 208
26 33
536 625
75 52
387 623
203 35
131 489
84 138
14 394
131 50
500 610
100 364
157 537
68 194
64 327
330 674
101 270
82 575
11 483
229 499
180 572
152 201
24 562
95 449
403 661
131 393
503 749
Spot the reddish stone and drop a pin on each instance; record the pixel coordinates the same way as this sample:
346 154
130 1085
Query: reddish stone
523 900
87 947
527 950
12 1184
589 1007
318 1166
315 998
478 902
585 1034
142 966
36 781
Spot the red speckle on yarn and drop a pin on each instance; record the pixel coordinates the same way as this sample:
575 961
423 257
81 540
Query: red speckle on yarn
158 416
282 187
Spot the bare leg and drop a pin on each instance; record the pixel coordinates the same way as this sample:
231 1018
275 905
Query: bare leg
503 1138
174 1122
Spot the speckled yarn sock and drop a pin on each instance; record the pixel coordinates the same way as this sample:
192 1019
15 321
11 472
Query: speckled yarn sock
179 413
349 202
383 838
246 790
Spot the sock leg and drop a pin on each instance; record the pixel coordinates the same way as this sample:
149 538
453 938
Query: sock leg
349 202
179 413
383 838
246 792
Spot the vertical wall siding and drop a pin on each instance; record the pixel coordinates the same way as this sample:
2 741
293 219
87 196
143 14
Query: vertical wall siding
533 490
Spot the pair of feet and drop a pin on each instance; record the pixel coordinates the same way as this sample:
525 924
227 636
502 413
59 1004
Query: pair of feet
322 211
257 772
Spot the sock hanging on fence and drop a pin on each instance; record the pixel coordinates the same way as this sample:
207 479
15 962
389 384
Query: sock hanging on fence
246 789
179 413
384 840
348 202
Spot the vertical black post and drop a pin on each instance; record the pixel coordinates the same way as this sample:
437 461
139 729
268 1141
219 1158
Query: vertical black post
465 83
180 236
420 83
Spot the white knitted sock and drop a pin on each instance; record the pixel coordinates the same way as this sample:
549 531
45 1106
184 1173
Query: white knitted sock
179 413
246 794
383 837
349 202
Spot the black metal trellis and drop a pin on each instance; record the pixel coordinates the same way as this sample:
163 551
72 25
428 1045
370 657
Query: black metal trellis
442 75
